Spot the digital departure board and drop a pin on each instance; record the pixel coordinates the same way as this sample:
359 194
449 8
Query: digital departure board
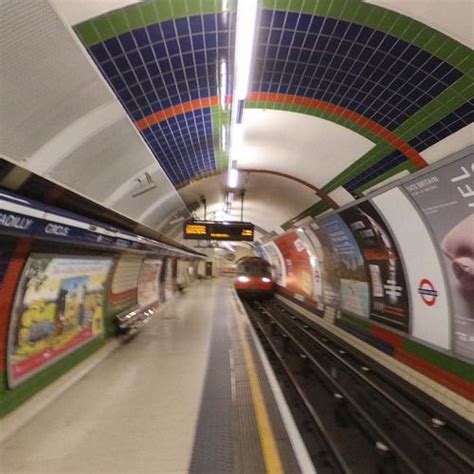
216 230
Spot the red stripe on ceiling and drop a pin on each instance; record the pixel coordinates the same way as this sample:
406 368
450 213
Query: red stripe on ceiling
362 121
359 119
175 110
318 191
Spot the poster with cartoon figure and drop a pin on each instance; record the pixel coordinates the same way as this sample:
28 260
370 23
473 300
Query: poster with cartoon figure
445 198
58 308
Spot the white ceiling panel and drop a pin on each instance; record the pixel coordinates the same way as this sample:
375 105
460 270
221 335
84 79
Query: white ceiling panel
60 119
48 83
452 17
309 148
102 163
449 145
76 11
269 200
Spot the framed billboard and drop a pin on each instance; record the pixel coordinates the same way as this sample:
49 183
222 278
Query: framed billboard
58 308
389 299
445 199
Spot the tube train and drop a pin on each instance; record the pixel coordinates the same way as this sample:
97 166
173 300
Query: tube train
253 277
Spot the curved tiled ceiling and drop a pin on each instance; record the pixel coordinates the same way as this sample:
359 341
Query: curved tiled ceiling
396 84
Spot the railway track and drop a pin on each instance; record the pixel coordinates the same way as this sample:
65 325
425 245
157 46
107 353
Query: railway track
354 420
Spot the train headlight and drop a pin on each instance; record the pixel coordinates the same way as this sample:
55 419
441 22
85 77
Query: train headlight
243 279
266 280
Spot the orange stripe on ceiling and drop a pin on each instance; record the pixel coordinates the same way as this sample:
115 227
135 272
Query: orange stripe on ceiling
361 120
176 110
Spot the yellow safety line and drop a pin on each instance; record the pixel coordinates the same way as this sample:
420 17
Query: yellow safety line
271 455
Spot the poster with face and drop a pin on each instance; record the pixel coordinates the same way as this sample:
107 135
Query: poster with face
58 308
344 274
389 292
445 198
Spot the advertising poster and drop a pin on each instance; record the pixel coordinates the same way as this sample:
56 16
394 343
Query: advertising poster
445 198
316 257
58 308
430 318
275 259
389 291
169 284
344 275
148 282
297 262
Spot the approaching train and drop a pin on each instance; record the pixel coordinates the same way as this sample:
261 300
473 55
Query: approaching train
254 277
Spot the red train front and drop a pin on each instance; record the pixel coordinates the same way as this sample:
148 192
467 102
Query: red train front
253 277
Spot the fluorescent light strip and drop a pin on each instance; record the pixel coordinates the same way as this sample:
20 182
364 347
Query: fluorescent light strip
232 178
223 84
244 43
246 20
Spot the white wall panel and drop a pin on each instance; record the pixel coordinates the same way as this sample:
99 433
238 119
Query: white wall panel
310 148
46 82
277 261
59 118
452 17
126 273
449 145
431 323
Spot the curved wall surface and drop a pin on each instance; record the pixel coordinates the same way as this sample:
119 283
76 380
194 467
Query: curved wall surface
68 285
395 270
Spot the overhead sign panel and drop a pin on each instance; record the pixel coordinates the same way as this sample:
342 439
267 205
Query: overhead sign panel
216 230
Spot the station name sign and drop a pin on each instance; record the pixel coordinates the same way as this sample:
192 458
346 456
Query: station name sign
217 230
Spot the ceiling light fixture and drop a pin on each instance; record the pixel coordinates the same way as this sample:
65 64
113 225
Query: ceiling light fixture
224 137
232 178
246 21
245 34
223 84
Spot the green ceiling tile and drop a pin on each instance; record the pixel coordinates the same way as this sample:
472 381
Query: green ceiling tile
148 12
411 167
87 33
178 9
384 20
103 28
426 37
398 169
332 8
278 4
387 20
164 9
134 17
210 6
118 22
446 102
411 31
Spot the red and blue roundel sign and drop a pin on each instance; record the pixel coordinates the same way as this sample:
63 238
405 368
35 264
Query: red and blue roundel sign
427 291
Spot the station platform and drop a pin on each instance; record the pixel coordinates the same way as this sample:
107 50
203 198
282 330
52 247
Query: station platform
192 392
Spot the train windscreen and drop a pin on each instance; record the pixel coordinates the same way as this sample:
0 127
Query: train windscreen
254 267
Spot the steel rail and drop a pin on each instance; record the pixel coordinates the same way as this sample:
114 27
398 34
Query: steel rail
460 455
308 405
384 437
